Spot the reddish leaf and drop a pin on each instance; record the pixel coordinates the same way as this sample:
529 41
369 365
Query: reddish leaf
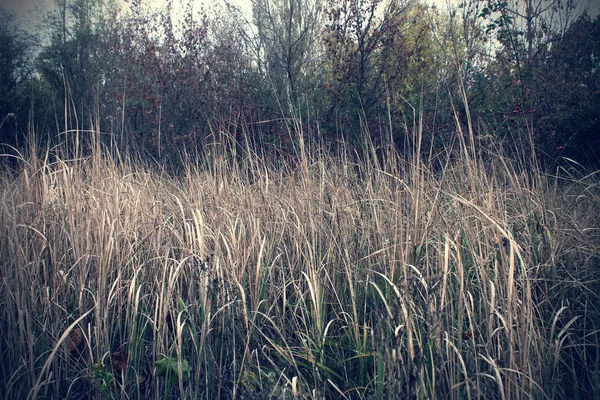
119 362
75 338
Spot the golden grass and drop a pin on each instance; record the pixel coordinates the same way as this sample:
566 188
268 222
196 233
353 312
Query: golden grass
388 279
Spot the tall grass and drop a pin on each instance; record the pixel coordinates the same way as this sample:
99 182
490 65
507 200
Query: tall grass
461 277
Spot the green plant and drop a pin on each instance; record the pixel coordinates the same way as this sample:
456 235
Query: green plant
172 369
103 378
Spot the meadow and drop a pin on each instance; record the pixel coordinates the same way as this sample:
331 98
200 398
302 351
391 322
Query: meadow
464 275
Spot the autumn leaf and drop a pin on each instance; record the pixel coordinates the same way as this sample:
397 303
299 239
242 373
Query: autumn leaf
119 362
75 338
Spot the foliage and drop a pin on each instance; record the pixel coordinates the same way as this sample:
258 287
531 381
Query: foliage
367 54
286 46
78 59
103 377
16 47
569 92
318 199
533 91
172 369
162 81
477 279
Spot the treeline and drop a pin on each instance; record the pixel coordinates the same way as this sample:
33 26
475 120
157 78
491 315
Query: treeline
171 78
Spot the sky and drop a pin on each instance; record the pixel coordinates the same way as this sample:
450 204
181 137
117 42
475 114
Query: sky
17 6
21 7
24 8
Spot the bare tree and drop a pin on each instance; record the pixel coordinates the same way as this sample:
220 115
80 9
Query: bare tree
285 40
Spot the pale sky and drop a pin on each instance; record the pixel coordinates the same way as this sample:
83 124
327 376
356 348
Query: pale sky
17 6
20 7
23 8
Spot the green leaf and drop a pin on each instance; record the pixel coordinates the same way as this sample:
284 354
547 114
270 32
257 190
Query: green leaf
169 368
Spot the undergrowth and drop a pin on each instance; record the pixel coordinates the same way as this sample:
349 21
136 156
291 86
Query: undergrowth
460 277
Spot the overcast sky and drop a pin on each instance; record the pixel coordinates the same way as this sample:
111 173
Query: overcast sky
24 8
21 7
17 6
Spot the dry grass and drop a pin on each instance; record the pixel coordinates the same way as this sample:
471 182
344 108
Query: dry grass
476 279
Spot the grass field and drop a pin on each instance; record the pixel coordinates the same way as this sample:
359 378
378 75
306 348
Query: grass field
464 276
